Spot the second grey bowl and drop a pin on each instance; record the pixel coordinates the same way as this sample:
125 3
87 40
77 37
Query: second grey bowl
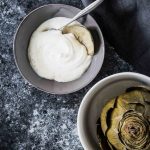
22 38
94 101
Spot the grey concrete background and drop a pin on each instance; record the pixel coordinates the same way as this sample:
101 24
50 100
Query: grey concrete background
29 118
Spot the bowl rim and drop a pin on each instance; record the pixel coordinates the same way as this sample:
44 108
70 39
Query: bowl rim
94 89
15 56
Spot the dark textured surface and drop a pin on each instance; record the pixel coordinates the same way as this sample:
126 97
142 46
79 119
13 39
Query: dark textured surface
31 119
126 24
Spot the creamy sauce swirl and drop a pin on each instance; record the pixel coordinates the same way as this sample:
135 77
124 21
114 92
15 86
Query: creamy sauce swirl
57 56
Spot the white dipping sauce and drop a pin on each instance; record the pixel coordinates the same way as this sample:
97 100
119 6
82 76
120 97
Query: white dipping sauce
57 56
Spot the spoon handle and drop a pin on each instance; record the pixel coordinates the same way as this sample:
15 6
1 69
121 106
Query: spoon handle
85 11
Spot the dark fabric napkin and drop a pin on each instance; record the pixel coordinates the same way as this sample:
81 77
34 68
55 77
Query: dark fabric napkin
126 25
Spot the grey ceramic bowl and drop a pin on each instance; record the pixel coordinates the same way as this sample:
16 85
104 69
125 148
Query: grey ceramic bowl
96 98
29 25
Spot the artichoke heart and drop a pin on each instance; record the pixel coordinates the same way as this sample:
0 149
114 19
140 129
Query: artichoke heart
125 120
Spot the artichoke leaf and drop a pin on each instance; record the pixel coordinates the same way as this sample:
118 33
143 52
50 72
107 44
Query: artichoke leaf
104 114
103 143
83 35
112 132
133 97
146 96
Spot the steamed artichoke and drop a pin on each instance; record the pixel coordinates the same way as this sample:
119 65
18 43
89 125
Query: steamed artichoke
125 121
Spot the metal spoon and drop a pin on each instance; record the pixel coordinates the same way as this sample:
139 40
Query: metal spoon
83 12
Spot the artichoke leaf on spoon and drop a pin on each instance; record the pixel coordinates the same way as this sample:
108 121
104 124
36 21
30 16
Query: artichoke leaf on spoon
83 35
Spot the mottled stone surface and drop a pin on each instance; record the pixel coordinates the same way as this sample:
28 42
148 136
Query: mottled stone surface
29 118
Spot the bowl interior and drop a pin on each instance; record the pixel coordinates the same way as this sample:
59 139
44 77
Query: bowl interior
29 25
94 101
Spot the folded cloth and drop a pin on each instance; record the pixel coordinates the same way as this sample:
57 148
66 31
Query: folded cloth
126 25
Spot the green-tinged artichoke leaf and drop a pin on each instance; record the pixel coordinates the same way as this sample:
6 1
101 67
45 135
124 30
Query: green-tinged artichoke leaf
111 146
112 132
103 143
125 120
146 97
140 108
130 99
147 112
83 35
105 115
